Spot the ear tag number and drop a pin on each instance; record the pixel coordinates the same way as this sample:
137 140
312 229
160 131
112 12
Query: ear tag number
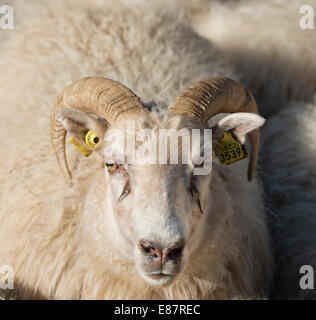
92 140
230 150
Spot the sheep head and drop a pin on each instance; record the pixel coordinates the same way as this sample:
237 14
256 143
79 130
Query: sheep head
155 212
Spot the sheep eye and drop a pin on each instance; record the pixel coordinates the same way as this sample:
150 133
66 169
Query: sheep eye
195 194
193 190
111 166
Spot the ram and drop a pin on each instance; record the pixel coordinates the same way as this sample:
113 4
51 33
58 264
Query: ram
105 228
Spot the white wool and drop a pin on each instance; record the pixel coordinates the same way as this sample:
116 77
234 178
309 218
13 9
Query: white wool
41 219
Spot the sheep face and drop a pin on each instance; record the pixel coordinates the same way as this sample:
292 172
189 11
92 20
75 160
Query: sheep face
153 213
156 207
160 218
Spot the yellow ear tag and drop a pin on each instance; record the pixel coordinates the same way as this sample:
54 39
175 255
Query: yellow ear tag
92 139
230 150
84 151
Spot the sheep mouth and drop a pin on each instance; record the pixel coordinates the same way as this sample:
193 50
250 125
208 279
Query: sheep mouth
160 279
159 275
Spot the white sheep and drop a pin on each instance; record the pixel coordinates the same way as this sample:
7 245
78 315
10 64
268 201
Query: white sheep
273 54
112 230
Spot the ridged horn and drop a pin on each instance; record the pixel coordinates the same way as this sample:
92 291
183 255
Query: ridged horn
100 96
206 98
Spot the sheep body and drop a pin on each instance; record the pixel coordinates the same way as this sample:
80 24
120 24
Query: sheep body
40 222
289 177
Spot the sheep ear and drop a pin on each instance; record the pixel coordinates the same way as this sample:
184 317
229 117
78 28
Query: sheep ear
239 124
77 123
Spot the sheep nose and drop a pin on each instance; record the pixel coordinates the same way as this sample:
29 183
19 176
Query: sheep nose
155 253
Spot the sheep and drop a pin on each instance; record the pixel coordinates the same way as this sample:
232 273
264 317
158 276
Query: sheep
291 190
104 229
274 56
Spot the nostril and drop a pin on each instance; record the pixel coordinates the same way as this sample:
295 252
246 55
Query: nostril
145 249
149 250
174 253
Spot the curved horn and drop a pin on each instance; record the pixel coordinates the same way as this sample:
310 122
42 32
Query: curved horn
206 98
104 97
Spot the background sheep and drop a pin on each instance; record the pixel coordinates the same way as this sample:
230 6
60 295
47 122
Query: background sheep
289 177
52 253
274 56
